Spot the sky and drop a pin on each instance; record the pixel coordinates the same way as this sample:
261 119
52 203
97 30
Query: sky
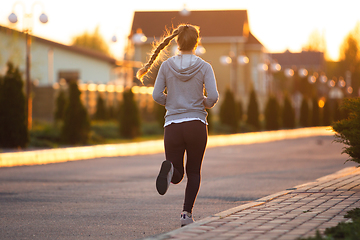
278 24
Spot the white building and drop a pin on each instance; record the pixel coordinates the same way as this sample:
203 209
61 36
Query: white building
51 61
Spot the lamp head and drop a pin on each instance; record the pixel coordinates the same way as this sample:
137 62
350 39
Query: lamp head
43 18
13 18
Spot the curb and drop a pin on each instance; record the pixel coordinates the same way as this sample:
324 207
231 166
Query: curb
149 147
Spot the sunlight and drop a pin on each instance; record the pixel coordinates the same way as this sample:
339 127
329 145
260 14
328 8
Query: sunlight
149 147
113 16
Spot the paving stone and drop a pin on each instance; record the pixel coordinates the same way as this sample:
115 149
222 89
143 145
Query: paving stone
300 213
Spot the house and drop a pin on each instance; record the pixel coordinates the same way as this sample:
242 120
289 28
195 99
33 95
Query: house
53 63
226 42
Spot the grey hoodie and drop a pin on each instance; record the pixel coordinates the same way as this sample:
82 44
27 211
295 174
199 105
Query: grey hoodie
185 88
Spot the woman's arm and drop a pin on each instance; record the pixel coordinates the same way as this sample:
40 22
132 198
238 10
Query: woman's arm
159 87
210 86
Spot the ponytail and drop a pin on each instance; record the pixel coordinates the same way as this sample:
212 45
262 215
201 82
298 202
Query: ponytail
187 39
142 71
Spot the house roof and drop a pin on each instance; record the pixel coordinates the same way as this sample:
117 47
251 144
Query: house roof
217 23
310 59
80 50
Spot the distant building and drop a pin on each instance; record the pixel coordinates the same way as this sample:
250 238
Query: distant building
226 43
310 60
303 74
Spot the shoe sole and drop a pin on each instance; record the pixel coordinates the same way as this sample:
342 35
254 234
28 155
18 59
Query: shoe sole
162 181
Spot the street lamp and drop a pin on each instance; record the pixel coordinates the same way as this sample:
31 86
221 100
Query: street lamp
139 37
269 68
289 72
234 60
27 30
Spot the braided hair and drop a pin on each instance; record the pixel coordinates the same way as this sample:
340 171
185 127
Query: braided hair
187 39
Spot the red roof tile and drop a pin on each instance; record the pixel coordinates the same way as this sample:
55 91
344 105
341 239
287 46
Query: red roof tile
220 23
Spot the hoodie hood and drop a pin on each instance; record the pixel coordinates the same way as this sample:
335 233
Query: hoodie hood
185 74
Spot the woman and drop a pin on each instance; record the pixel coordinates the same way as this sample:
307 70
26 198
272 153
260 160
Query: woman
184 77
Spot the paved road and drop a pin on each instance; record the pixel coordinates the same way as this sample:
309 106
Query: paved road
115 198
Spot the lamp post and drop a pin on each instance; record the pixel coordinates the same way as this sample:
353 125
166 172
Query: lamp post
233 61
27 28
270 67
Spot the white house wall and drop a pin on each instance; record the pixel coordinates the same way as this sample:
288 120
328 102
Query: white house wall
90 69
12 50
45 68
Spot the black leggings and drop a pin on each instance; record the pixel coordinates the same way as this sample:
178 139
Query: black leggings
190 137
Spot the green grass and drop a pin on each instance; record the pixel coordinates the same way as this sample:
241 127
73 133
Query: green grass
47 135
349 230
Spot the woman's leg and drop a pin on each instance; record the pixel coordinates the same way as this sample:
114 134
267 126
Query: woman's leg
195 135
174 150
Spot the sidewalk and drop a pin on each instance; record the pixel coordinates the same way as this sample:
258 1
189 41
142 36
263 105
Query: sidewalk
287 215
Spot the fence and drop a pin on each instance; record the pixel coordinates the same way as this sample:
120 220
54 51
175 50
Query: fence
45 97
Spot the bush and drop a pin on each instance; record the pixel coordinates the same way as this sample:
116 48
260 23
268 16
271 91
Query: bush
44 135
105 129
159 112
348 130
344 230
304 113
253 112
315 115
101 113
129 116
76 127
336 113
240 111
326 119
288 113
151 129
60 106
13 122
228 112
272 114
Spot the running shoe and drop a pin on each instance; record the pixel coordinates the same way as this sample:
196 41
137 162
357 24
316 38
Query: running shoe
164 178
186 218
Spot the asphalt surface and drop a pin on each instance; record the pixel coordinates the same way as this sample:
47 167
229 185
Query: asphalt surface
115 198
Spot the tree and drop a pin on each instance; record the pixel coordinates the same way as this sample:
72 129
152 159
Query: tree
13 127
327 118
60 106
315 116
316 42
240 111
76 127
304 113
350 57
336 113
228 111
253 111
348 130
129 116
272 114
101 113
288 113
92 41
